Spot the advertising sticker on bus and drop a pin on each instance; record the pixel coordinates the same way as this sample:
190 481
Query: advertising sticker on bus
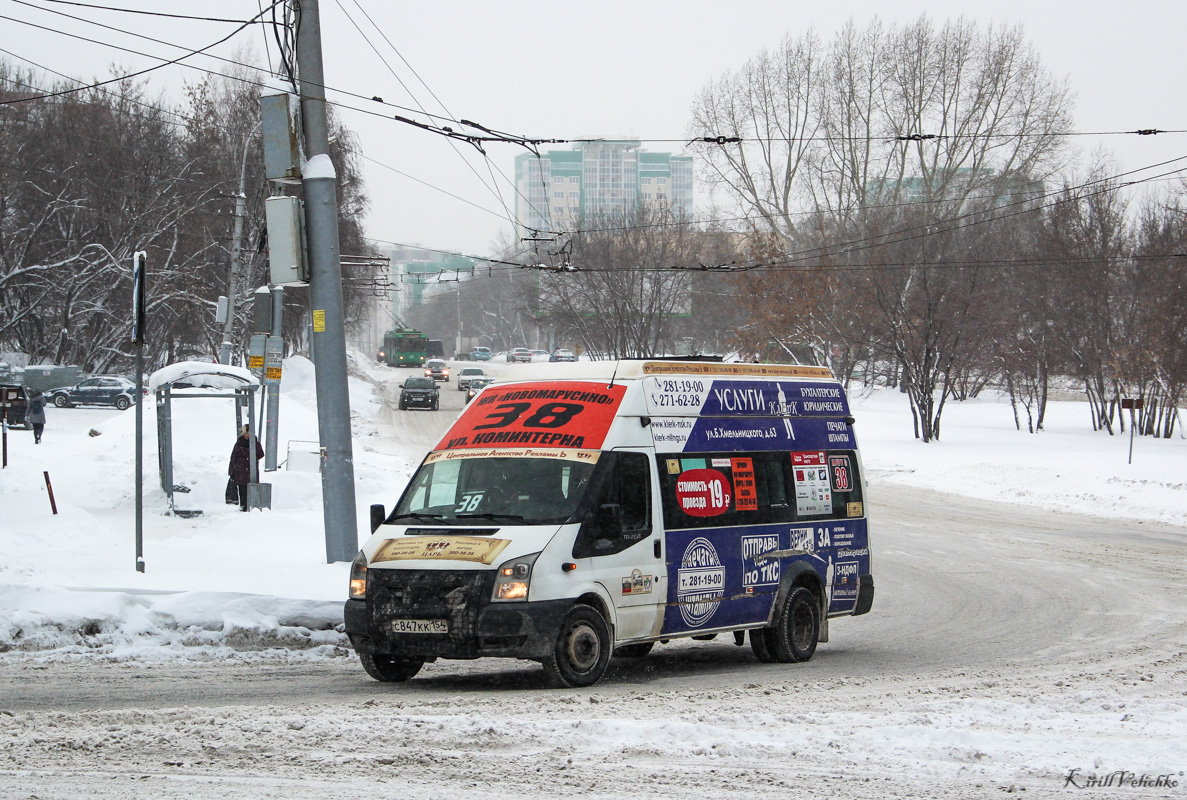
812 491
703 492
564 414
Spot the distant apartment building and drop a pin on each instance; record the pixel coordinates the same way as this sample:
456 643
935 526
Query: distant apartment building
557 189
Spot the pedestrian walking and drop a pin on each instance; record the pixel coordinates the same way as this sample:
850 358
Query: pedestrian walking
240 467
36 415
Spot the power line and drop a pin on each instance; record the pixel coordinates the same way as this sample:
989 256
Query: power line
130 75
133 11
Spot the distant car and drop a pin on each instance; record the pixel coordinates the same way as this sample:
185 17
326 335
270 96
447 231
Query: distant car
419 393
521 354
480 354
561 354
16 398
539 353
101 390
437 369
477 385
467 374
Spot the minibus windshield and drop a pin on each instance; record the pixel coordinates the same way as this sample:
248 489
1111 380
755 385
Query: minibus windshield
509 491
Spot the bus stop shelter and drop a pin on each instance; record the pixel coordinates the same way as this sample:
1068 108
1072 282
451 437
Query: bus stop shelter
212 382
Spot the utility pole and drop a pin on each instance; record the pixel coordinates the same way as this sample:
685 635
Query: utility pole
236 248
325 296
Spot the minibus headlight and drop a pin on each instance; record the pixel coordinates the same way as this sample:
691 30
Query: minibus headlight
358 577
514 578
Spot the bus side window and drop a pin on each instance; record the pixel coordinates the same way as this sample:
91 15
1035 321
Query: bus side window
772 483
634 491
628 485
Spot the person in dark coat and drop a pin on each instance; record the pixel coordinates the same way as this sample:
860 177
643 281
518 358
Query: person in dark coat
36 415
240 467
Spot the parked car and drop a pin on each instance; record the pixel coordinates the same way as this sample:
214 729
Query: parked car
420 393
477 385
539 353
436 369
521 354
480 354
561 354
16 398
101 390
468 374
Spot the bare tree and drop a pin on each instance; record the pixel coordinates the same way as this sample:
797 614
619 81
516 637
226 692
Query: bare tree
911 137
630 282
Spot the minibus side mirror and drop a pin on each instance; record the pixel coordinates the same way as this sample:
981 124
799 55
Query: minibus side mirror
378 515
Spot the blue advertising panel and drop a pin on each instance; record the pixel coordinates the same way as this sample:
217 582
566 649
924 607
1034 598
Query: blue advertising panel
738 434
725 577
733 397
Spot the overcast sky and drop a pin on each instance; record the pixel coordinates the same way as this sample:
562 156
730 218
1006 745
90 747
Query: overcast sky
605 69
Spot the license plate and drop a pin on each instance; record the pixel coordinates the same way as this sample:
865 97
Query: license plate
420 626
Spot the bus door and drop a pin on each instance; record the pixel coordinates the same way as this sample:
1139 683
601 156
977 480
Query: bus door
629 563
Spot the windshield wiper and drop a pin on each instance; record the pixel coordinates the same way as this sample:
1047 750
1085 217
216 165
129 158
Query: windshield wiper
417 515
493 517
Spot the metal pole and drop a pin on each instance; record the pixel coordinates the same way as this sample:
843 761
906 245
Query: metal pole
236 248
1131 427
140 315
273 423
325 296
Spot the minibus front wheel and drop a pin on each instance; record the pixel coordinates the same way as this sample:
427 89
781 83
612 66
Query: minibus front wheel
390 669
582 649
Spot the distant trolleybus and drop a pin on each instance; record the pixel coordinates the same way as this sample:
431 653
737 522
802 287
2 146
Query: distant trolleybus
405 347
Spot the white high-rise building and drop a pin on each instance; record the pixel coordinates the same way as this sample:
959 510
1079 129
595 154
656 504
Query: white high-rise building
557 189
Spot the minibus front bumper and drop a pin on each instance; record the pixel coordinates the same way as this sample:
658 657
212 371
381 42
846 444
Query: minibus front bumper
476 626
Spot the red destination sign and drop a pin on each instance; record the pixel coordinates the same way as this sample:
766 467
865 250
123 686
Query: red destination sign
566 414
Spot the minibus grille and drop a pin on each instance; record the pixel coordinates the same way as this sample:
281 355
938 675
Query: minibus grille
454 596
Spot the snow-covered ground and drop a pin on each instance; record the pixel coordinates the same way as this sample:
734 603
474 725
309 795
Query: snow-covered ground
223 574
936 692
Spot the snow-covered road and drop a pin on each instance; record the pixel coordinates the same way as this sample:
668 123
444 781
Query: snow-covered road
1007 648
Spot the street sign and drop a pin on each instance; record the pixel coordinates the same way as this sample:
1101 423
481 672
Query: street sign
255 354
273 358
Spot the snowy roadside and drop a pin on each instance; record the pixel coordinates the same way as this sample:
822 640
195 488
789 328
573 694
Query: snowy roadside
257 583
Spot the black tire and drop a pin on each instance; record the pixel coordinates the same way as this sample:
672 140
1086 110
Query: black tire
582 650
760 643
797 628
402 406
390 669
122 402
61 401
633 650
434 406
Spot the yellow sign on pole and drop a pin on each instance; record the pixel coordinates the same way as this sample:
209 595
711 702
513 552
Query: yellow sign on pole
319 321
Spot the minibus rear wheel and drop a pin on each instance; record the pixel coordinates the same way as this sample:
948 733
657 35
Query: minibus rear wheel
582 649
798 627
390 669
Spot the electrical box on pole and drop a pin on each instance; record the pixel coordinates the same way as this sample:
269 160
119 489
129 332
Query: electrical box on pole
261 310
286 251
221 310
280 116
